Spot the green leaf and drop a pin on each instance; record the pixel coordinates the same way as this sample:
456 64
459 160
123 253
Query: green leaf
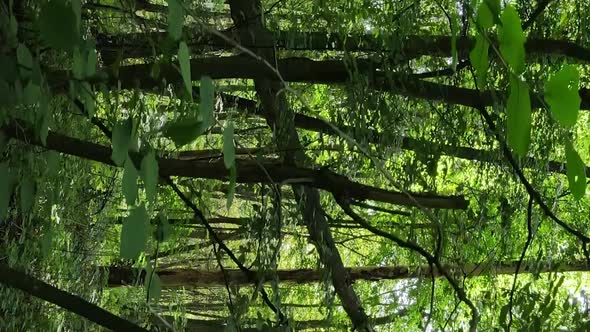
149 175
37 75
91 62
561 94
58 26
46 242
120 142
42 118
479 59
184 130
31 93
485 17
52 162
503 315
454 32
134 233
25 60
6 186
162 231
232 186
576 171
185 67
77 9
494 7
78 64
9 65
154 286
229 151
88 98
6 94
512 40
27 194
130 175
13 25
175 19
207 94
3 141
519 117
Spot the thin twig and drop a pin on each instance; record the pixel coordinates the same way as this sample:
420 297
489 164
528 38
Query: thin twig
421 251
529 239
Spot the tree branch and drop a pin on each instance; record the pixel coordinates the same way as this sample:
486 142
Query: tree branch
70 302
415 247
248 171
299 70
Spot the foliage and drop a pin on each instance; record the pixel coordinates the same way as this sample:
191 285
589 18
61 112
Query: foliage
276 138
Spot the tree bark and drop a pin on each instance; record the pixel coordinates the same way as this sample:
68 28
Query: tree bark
119 276
215 325
70 302
301 70
279 117
247 171
139 45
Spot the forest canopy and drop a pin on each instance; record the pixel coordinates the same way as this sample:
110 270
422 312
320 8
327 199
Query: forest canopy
294 165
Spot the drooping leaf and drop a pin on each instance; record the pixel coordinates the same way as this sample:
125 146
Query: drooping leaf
18 91
3 141
78 64
519 117
150 175
37 75
13 27
175 19
6 186
25 60
130 175
42 118
561 94
232 186
120 141
185 67
162 231
77 9
576 171
91 62
207 94
155 70
9 66
52 162
58 25
454 33
27 193
503 314
88 97
494 6
229 150
485 17
479 59
511 38
46 242
6 95
184 131
31 93
134 233
154 285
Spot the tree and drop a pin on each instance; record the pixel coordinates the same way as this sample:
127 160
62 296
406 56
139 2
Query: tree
233 147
